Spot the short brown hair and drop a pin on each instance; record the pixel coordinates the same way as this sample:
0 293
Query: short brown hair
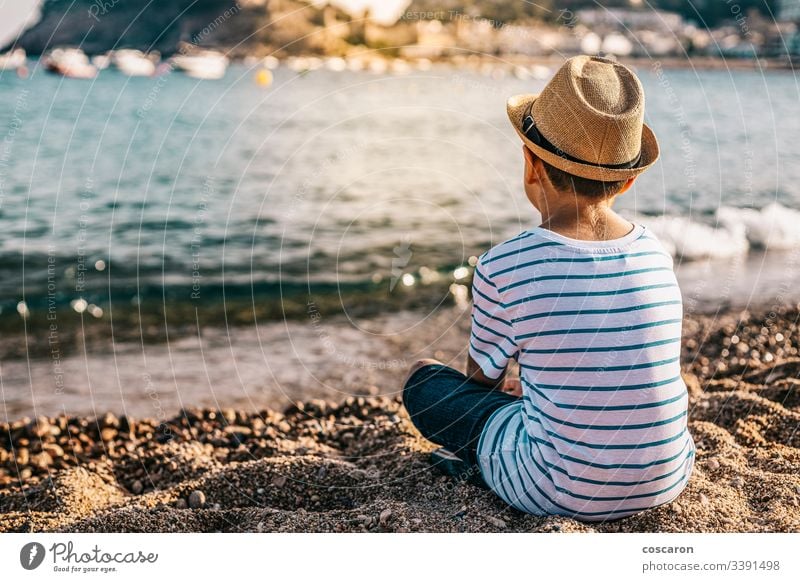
564 182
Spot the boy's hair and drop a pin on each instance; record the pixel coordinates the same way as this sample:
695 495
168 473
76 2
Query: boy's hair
564 182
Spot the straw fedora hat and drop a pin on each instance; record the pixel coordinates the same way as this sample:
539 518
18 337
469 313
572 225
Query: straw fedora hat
588 121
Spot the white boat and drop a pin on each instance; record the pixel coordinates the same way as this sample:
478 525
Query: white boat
336 64
271 62
69 62
133 63
13 60
101 61
202 65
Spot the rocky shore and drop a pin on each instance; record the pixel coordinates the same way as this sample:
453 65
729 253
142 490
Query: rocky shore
359 465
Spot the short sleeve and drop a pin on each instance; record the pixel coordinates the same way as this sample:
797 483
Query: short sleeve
491 343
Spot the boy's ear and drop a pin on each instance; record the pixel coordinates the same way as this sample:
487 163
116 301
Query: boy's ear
531 176
628 183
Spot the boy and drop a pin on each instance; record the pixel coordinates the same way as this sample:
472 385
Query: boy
588 304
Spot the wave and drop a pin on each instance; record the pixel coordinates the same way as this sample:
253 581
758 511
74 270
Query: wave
730 232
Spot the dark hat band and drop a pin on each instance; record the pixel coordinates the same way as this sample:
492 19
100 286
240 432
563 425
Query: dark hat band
529 130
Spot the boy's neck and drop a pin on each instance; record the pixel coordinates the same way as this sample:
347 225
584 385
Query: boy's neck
592 222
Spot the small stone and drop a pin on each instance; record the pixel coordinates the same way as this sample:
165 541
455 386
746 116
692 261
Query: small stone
712 464
260 491
55 450
279 481
238 430
180 503
704 500
385 516
737 482
137 487
364 519
197 499
108 434
676 507
496 522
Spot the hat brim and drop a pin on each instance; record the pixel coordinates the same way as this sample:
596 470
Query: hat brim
519 106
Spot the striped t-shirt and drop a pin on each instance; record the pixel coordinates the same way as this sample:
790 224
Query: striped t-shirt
600 432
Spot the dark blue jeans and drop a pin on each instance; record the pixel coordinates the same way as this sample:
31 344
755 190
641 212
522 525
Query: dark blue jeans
451 410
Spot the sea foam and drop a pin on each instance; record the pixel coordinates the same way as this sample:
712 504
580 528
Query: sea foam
729 233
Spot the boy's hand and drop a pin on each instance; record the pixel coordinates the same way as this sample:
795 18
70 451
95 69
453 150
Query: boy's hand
513 386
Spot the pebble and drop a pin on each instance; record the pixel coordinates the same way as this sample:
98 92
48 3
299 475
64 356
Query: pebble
712 464
385 516
137 487
496 522
737 482
181 503
279 481
197 499
704 500
108 434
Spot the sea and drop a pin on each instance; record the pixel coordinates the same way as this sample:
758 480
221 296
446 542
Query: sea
342 196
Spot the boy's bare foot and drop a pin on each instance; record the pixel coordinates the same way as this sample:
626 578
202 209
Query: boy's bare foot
420 364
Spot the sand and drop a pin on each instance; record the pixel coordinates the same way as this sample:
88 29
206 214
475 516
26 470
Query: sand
359 465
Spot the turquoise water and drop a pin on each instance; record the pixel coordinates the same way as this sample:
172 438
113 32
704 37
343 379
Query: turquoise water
122 189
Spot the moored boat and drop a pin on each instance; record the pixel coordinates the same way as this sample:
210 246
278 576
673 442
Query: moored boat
202 65
69 62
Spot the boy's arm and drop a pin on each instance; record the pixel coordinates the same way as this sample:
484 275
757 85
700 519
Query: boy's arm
475 372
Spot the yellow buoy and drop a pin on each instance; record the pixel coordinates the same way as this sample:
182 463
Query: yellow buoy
264 77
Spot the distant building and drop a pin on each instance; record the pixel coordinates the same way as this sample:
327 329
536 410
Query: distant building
789 10
621 19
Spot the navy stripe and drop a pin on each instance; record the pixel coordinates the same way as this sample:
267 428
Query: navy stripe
616 427
599 497
485 296
683 394
610 388
597 311
484 354
504 470
520 251
489 315
601 368
483 277
486 328
614 292
589 349
580 260
591 276
573 512
624 328
494 345
498 435
563 471
612 465
588 514
609 446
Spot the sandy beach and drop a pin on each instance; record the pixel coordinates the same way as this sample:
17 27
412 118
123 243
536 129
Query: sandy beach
359 465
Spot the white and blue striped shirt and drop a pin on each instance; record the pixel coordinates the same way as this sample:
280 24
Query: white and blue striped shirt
600 432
